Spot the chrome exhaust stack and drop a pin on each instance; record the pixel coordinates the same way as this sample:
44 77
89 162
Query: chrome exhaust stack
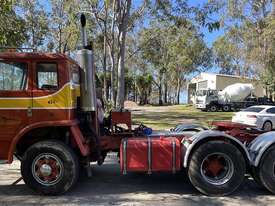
85 61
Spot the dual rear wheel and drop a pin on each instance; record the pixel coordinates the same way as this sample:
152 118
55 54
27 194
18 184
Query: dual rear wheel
264 174
217 168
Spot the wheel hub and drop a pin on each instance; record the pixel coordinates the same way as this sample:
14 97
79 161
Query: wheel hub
217 168
47 169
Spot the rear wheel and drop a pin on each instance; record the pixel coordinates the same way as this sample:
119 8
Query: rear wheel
216 168
266 170
255 175
50 167
226 108
267 126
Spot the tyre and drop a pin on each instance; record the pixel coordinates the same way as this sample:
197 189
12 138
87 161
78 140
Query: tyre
50 167
266 170
226 108
267 126
216 168
213 108
255 175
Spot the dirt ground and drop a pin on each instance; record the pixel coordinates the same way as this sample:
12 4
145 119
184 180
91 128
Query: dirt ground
109 187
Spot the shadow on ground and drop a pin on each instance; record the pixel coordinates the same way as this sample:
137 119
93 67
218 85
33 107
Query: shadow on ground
109 187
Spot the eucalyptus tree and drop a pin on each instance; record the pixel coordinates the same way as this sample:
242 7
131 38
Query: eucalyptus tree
173 51
115 18
12 26
63 25
36 22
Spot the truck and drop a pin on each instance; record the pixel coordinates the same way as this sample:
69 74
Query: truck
233 98
48 119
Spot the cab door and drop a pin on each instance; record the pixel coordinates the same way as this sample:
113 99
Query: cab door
15 101
50 93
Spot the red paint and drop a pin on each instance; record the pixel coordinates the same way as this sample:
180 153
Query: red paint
15 123
238 130
137 154
80 141
162 154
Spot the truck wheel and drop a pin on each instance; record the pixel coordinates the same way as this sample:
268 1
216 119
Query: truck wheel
216 168
50 167
267 126
226 108
213 108
255 175
266 169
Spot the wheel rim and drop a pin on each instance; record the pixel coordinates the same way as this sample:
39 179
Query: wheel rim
226 108
217 168
47 169
213 108
267 126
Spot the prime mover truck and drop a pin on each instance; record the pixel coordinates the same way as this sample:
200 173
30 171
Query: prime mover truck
48 121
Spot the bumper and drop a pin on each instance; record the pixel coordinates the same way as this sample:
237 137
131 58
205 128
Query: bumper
200 106
251 122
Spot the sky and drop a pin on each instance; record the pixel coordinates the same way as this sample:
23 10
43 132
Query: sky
209 37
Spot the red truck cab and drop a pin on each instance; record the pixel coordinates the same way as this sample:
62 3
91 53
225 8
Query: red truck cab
36 90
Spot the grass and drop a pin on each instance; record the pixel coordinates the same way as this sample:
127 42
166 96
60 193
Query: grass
168 116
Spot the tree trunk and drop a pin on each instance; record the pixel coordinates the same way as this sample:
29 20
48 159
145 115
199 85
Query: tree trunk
112 55
160 88
273 8
165 89
178 90
121 61
113 79
105 92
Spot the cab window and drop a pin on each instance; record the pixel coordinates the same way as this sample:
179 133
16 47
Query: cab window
47 77
13 76
75 74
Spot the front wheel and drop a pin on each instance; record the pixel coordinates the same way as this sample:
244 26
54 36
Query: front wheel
216 168
50 167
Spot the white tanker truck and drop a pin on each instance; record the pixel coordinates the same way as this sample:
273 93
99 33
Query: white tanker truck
234 97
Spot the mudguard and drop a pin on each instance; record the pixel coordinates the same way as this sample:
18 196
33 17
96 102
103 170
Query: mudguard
259 145
208 134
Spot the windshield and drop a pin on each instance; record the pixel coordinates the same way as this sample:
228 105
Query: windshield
253 109
201 92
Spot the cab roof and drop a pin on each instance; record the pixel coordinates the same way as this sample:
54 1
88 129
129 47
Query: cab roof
34 55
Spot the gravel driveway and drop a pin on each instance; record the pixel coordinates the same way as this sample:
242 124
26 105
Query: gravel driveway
109 187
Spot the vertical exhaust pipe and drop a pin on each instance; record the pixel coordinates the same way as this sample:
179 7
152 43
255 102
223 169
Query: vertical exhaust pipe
85 60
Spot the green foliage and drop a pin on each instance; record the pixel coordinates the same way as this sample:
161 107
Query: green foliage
64 29
228 51
144 86
173 52
12 27
248 46
36 22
